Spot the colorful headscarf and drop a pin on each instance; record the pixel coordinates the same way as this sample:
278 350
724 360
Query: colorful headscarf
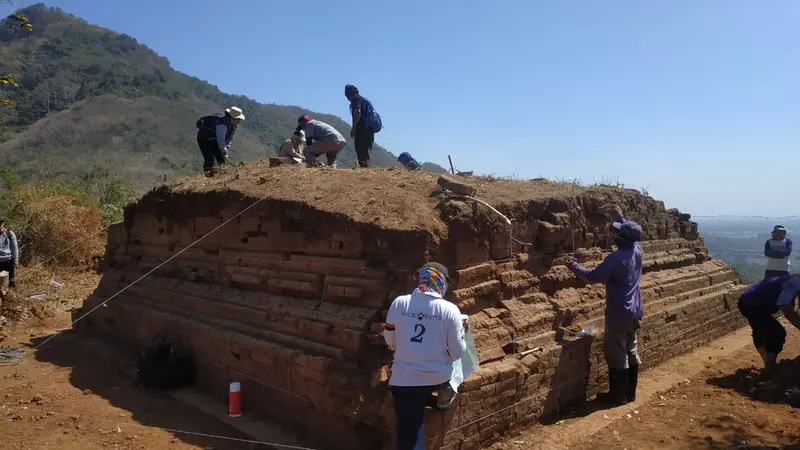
432 280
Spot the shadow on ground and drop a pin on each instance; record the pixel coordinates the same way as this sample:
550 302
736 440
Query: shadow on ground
750 383
732 432
110 376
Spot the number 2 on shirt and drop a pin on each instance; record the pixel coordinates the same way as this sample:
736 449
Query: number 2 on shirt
420 330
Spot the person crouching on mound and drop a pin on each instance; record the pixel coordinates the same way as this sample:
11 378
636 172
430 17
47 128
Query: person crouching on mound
620 272
292 148
426 333
759 302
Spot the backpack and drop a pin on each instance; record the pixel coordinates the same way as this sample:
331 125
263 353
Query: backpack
161 367
207 122
372 120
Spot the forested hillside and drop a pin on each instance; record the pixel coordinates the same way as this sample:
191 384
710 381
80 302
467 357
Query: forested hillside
88 96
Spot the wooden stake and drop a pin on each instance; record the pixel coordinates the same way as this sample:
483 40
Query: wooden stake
452 170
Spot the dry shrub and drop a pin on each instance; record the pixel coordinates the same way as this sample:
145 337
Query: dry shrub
16 307
53 230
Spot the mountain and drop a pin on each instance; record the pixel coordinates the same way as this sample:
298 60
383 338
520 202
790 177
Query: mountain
89 96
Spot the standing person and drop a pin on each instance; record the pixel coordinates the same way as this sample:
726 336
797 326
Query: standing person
408 161
620 272
328 141
366 122
9 252
426 333
759 302
292 148
777 250
215 135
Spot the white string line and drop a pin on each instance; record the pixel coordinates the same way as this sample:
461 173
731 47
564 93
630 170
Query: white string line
140 278
275 387
290 393
343 413
194 433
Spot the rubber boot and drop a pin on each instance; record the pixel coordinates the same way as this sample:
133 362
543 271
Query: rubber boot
633 380
617 387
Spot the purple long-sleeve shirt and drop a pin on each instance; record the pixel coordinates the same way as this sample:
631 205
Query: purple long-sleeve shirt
621 272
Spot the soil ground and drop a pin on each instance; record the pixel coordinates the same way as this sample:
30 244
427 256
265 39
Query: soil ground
66 395
393 199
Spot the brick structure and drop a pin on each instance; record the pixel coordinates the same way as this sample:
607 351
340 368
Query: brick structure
283 297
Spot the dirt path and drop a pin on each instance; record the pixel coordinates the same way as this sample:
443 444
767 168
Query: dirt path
700 400
62 396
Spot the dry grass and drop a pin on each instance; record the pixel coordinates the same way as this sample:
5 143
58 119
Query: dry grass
35 279
53 230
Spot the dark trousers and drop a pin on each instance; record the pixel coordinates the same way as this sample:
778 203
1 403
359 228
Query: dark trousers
363 143
8 266
775 273
768 333
409 408
210 150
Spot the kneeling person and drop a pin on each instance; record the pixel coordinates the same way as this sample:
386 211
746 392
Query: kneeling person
759 302
321 138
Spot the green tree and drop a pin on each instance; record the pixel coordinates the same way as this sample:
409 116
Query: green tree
22 22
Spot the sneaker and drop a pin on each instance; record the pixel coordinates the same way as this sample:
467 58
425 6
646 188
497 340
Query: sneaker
445 397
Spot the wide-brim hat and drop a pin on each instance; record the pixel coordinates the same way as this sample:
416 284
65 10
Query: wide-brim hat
235 112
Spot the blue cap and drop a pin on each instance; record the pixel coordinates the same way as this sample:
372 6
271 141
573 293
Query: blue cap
628 230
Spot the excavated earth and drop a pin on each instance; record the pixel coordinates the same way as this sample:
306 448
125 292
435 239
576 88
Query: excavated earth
276 277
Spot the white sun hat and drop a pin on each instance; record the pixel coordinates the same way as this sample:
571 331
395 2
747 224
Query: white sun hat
235 112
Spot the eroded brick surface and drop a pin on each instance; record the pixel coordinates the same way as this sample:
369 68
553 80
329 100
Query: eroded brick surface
284 298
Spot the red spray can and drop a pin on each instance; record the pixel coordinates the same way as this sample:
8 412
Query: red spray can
235 399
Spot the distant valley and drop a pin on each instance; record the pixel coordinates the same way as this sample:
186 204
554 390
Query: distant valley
740 241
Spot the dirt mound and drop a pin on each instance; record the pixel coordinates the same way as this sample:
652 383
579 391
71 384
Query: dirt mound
393 199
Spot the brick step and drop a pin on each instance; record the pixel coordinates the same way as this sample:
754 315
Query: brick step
543 340
662 245
590 312
673 320
323 265
268 337
186 294
488 289
268 370
670 302
332 309
287 324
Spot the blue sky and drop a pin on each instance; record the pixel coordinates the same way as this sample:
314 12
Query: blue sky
697 100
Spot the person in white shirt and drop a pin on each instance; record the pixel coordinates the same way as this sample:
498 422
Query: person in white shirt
426 333
777 250
292 148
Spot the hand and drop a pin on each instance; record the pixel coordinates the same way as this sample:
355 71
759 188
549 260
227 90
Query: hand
612 209
465 322
353 132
